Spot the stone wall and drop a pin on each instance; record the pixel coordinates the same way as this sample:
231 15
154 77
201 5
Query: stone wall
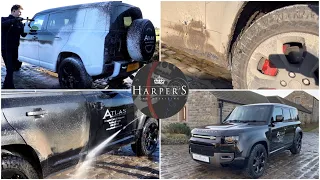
202 109
227 108
307 101
305 118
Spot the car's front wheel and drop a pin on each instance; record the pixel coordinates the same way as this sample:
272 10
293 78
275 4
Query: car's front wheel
257 162
15 167
73 75
279 50
148 140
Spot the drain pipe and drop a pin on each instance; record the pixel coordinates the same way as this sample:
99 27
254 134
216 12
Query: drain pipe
220 109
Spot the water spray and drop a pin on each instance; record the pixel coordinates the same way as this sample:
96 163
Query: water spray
89 158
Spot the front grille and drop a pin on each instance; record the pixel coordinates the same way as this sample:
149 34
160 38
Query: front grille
204 136
202 150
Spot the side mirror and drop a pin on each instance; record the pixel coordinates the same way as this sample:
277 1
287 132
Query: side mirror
34 28
279 118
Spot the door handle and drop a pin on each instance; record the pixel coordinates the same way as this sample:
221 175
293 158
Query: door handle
57 37
97 105
37 113
34 38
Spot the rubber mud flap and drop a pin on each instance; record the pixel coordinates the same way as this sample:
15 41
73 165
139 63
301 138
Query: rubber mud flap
141 40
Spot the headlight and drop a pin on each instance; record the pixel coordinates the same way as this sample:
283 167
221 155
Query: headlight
231 139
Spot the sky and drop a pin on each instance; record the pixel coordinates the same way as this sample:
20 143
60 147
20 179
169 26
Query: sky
284 93
150 9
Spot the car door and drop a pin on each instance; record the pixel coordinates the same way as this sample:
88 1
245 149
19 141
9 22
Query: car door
277 130
291 126
52 40
111 112
29 45
55 124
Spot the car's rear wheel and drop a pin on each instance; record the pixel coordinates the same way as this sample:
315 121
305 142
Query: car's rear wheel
15 167
296 146
257 162
148 141
279 50
73 75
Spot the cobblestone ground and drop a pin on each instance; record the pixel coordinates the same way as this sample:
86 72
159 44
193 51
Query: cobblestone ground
34 77
201 74
177 163
121 164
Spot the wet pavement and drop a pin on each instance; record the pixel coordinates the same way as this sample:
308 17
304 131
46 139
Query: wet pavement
177 163
120 164
200 74
34 77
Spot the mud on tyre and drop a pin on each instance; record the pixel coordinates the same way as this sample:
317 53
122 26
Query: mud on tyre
16 167
295 30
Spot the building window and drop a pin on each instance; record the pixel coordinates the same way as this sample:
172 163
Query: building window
183 114
297 100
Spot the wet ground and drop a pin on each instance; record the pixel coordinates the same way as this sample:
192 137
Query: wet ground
120 164
200 74
176 163
34 77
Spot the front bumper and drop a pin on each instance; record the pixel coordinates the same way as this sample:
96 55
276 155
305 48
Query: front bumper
217 153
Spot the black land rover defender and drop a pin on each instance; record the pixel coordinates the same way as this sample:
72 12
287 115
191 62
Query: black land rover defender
44 132
248 136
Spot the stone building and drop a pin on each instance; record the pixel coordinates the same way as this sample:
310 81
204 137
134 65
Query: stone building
306 100
210 107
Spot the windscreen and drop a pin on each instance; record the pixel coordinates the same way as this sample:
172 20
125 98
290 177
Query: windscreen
250 113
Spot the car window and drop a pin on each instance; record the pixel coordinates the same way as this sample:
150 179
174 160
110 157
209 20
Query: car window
38 21
276 111
286 114
61 20
294 114
250 113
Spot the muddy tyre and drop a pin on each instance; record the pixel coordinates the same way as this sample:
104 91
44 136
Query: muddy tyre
288 38
73 75
296 146
148 140
15 167
257 162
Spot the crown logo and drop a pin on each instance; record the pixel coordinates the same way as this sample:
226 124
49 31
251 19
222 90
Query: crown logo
159 80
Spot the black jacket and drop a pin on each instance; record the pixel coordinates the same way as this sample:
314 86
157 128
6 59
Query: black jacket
11 29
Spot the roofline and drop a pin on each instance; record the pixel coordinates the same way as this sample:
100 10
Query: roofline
270 104
78 5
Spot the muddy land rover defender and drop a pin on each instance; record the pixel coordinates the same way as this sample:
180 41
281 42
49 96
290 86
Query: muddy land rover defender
89 41
247 137
44 132
263 44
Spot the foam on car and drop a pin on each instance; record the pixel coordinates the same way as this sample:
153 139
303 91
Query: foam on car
141 40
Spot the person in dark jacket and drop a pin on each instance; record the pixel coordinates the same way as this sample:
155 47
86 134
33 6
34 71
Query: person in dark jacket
11 30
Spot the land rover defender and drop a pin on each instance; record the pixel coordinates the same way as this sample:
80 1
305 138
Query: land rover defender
247 137
89 41
44 132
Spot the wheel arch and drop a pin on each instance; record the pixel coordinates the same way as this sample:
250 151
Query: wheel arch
263 142
64 55
27 152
